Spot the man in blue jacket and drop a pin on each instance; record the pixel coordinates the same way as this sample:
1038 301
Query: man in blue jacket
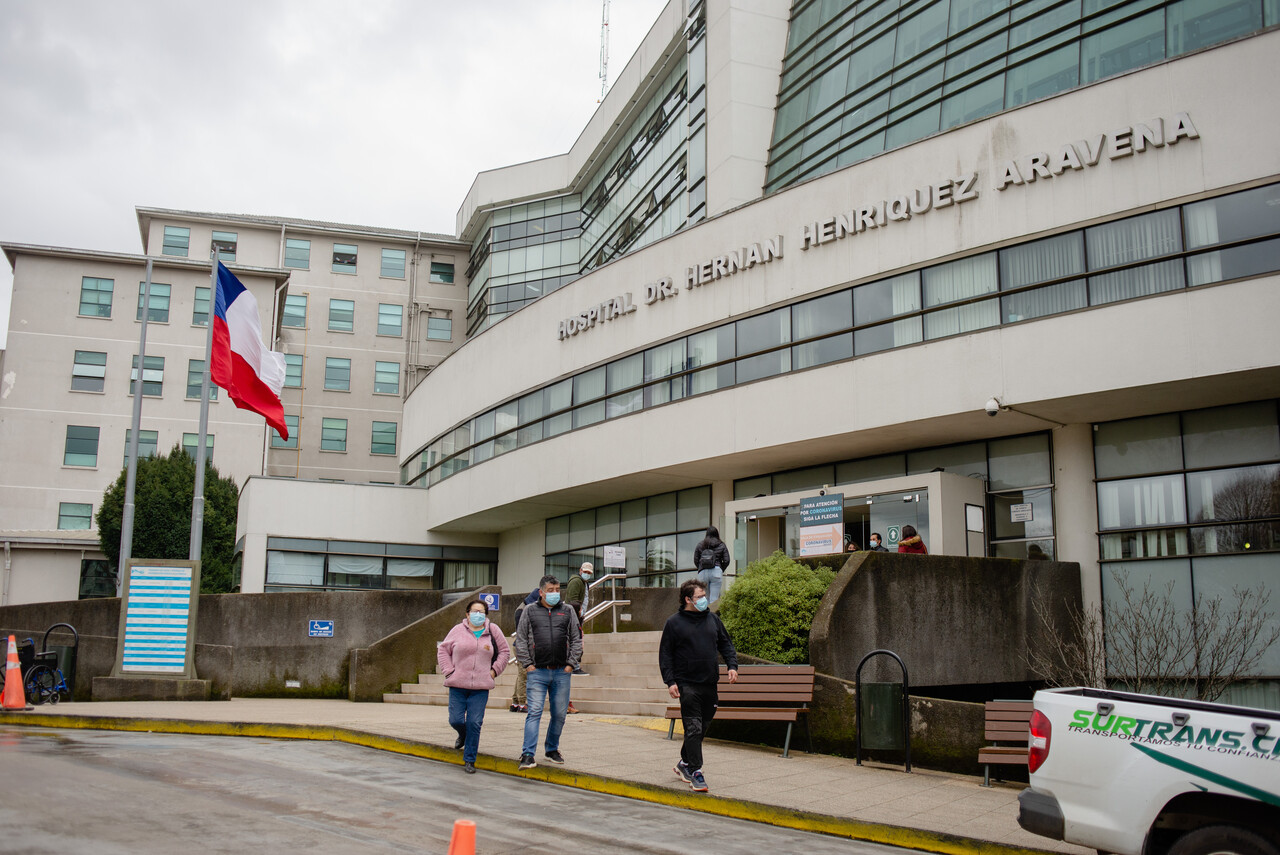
687 655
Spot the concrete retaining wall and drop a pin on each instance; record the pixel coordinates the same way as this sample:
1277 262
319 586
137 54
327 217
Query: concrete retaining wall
955 621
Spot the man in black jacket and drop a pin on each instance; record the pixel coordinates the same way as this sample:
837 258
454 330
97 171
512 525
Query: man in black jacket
548 647
687 655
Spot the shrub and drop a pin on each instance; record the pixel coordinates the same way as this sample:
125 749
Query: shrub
769 609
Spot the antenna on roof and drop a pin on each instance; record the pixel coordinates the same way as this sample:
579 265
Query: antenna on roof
604 50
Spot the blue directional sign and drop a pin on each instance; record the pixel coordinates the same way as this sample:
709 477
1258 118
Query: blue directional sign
320 629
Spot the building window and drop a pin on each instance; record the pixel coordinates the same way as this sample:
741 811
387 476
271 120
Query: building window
176 241
293 370
191 442
225 244
95 296
200 310
333 435
393 263
297 253
342 315
148 441
659 534
386 378
95 579
440 329
88 373
441 272
195 376
73 516
344 258
159 308
290 422
384 438
152 376
337 374
390 319
295 311
81 448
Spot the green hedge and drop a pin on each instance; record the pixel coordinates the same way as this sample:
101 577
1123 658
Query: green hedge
769 609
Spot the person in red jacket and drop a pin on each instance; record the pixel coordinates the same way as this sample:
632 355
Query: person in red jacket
911 541
471 657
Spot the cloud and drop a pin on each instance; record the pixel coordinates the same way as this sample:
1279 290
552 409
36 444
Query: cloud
376 113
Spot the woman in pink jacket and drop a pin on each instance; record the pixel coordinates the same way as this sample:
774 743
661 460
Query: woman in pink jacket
471 657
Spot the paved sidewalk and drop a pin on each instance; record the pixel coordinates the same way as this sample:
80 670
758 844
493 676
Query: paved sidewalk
926 810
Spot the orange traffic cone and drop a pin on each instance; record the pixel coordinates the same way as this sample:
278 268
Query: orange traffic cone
14 697
463 841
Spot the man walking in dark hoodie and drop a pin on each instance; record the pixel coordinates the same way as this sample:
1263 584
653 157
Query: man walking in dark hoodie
687 656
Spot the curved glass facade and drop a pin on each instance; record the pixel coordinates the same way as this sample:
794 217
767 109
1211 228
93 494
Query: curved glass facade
865 76
1215 240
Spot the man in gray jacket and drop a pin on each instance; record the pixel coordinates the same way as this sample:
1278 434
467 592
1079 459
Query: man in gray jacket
548 647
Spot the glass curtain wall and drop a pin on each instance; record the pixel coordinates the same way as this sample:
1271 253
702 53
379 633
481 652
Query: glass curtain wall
864 77
1017 470
1190 503
1215 240
523 252
296 564
657 532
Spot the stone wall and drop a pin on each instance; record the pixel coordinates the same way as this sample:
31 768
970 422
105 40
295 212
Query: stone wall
955 621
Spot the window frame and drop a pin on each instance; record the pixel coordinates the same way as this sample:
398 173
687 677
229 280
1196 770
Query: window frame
335 367
91 373
384 329
97 303
402 267
175 247
351 324
342 251
293 245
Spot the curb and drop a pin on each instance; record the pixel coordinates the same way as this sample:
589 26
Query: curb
872 832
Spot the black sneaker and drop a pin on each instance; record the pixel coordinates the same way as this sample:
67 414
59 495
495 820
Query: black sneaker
555 757
699 783
682 771
469 768
578 672
461 740
527 761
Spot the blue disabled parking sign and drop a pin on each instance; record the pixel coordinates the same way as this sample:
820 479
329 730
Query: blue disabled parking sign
320 629
490 601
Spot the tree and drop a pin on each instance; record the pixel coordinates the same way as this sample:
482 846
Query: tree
1154 646
769 609
162 517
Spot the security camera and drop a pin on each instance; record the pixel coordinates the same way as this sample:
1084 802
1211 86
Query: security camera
993 407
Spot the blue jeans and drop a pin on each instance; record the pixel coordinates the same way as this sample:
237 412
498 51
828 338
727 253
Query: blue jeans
466 715
539 683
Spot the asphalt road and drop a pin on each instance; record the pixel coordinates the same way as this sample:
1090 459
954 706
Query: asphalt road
84 792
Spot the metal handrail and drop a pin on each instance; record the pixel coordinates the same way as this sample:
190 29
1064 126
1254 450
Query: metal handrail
612 603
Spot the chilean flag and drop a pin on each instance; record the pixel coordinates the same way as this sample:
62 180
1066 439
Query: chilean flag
251 374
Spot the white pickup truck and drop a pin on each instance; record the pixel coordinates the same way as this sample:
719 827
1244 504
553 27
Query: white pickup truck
1144 775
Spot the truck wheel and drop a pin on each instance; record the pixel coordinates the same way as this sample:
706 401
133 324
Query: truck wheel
1221 840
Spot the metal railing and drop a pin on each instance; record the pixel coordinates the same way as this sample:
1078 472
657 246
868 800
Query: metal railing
610 604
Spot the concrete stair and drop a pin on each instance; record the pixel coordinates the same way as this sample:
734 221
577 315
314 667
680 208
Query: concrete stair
622 679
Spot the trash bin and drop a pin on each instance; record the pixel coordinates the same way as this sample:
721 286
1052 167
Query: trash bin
66 659
882 716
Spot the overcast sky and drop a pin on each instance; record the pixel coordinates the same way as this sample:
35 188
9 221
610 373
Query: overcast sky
377 113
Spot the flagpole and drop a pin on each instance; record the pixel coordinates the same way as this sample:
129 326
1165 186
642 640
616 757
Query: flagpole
197 497
131 476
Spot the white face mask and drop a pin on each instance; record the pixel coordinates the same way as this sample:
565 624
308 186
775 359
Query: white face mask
874 544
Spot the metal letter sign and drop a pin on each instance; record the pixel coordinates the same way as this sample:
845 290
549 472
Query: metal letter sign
320 629
490 601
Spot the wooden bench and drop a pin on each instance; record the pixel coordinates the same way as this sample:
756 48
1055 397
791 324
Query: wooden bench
762 693
1005 722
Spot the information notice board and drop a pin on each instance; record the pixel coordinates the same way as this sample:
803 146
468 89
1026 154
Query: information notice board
158 619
